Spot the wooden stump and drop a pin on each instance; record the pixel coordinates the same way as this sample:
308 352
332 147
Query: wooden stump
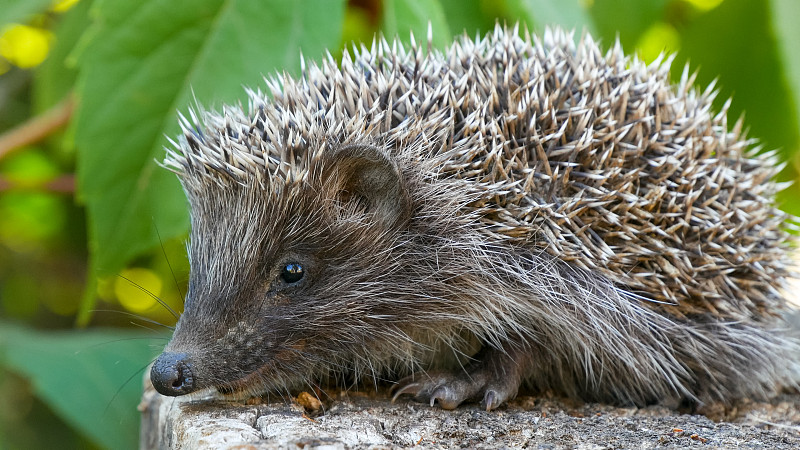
358 420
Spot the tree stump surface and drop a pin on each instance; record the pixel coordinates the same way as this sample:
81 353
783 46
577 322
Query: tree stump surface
370 420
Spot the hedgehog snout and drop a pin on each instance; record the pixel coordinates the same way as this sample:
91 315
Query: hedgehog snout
172 374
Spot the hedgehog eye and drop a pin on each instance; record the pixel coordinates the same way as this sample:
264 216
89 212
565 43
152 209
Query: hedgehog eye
292 273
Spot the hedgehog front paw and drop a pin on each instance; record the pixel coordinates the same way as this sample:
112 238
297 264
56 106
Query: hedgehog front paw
494 377
450 390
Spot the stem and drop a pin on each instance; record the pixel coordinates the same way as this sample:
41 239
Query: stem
37 128
61 184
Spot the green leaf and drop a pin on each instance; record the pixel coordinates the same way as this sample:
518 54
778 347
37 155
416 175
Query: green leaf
628 19
734 43
784 24
785 14
472 17
538 14
92 379
403 16
19 11
147 59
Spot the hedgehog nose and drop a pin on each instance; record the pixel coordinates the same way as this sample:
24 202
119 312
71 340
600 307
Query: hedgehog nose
172 374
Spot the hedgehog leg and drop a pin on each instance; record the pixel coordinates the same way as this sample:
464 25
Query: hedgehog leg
494 377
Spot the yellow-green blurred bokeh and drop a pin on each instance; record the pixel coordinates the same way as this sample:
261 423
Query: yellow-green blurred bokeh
147 291
704 5
137 288
25 46
61 6
660 38
30 217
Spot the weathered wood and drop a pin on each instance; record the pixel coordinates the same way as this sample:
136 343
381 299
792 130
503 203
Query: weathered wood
359 420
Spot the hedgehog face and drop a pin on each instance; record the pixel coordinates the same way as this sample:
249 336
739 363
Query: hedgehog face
278 275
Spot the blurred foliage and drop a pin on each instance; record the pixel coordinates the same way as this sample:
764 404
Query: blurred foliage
101 253
84 376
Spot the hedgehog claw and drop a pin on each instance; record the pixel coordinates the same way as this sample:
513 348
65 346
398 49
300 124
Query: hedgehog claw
446 389
493 378
437 394
411 388
447 399
490 400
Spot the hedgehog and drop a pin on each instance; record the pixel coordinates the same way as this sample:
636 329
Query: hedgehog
514 211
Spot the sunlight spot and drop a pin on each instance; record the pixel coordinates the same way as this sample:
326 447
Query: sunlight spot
704 5
660 37
137 298
63 5
25 46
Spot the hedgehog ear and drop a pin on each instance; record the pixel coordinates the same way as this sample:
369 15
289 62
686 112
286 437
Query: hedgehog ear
370 178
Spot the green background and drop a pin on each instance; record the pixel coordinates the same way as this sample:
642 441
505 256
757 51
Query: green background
72 348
